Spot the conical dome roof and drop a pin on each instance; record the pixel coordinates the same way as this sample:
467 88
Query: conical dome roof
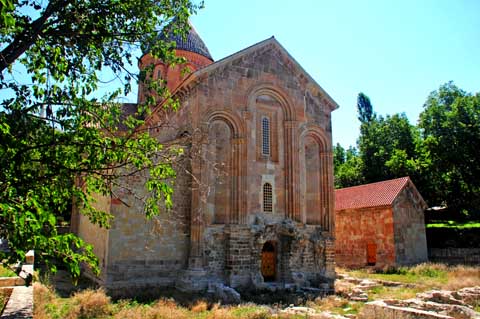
192 43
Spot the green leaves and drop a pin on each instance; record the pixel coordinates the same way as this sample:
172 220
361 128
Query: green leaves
440 155
451 132
61 144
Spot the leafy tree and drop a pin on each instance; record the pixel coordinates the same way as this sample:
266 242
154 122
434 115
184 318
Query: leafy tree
387 148
387 145
338 156
364 108
57 141
450 127
349 171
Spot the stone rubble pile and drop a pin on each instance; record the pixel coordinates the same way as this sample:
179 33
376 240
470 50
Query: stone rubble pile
355 289
306 312
428 305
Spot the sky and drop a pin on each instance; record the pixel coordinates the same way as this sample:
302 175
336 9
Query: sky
396 52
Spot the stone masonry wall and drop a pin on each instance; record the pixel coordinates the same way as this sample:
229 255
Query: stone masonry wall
146 252
93 234
238 255
409 225
357 228
215 255
237 93
304 255
230 90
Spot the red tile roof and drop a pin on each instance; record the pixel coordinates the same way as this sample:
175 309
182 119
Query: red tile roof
369 195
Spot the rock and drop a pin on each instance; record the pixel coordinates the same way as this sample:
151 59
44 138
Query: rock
257 280
415 308
300 280
329 315
304 311
469 295
440 296
366 284
361 298
226 294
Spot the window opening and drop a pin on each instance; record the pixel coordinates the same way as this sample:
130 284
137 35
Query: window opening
265 136
267 198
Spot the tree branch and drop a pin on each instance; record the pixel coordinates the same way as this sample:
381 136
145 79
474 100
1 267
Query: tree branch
25 39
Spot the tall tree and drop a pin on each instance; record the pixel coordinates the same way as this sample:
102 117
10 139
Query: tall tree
53 132
338 156
387 148
349 171
364 108
450 126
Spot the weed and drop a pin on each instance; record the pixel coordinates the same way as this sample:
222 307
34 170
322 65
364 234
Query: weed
5 272
90 304
200 306
95 304
250 311
4 295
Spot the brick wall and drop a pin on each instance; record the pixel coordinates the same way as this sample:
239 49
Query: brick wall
355 229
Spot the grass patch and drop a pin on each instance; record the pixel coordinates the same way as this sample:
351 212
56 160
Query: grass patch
425 276
96 304
5 272
4 296
419 278
401 293
454 224
336 304
430 275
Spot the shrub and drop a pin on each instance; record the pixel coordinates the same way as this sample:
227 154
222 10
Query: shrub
200 306
90 304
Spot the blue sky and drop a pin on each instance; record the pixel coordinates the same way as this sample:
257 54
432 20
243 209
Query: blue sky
396 52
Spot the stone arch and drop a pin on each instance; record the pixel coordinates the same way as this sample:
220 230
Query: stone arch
275 92
231 197
288 122
269 266
318 134
218 158
233 121
316 184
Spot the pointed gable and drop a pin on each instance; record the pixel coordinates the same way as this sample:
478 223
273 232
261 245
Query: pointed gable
295 67
370 195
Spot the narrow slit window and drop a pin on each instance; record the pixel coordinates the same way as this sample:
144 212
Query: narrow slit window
265 136
267 198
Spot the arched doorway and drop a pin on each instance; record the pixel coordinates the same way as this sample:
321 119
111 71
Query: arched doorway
269 261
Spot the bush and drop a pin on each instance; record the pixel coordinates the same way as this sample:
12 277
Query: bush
90 304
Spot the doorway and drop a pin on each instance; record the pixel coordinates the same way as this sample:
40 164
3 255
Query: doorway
371 254
269 261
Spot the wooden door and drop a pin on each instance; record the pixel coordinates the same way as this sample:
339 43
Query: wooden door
371 254
269 259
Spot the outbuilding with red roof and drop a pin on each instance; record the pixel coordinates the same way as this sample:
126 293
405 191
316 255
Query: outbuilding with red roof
380 224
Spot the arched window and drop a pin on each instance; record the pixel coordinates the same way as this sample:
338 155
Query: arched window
267 198
265 136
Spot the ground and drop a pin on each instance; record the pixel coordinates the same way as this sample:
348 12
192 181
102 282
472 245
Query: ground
347 302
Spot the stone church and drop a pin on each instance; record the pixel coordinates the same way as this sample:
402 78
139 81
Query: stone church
254 200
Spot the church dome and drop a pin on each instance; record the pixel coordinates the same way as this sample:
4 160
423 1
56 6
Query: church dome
191 47
191 42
